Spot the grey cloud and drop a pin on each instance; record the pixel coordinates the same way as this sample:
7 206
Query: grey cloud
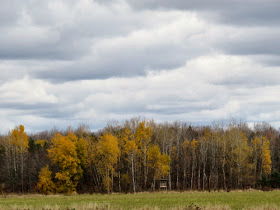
39 43
26 106
58 113
121 64
41 31
10 12
29 41
41 110
273 61
180 107
124 61
261 41
260 78
52 37
250 12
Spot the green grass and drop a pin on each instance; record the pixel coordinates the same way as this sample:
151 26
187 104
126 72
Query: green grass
160 200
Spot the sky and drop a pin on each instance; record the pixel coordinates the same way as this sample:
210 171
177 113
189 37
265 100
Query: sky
66 62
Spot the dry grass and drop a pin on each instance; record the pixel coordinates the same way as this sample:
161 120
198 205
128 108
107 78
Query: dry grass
191 200
94 206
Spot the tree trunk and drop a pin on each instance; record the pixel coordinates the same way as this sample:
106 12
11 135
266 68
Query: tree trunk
119 176
145 170
15 171
198 177
108 177
21 172
177 179
204 175
169 180
223 165
132 173
192 174
112 187
184 180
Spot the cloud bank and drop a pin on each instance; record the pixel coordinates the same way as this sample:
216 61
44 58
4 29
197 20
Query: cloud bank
65 62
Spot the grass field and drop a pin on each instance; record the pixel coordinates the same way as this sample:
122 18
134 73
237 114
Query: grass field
160 200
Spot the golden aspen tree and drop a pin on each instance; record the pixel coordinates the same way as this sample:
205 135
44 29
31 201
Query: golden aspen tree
86 148
45 184
256 148
19 142
239 158
266 157
143 136
63 153
82 151
123 135
106 157
153 156
132 151
157 163
164 166
242 154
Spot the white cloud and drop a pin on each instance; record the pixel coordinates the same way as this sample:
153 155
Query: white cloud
187 93
26 91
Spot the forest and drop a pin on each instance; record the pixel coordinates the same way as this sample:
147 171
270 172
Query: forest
133 155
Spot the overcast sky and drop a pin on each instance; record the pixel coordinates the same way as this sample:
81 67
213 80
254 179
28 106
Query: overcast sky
63 62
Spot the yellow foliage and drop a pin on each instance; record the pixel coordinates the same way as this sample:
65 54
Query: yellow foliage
128 145
131 147
153 155
82 151
143 135
207 134
124 137
241 151
45 184
19 139
266 157
106 156
186 144
256 142
41 142
107 151
157 162
194 144
164 165
65 152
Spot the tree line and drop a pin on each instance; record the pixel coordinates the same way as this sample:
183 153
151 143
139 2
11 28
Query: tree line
133 155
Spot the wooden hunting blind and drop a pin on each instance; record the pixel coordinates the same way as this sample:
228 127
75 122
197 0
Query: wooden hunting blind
163 184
